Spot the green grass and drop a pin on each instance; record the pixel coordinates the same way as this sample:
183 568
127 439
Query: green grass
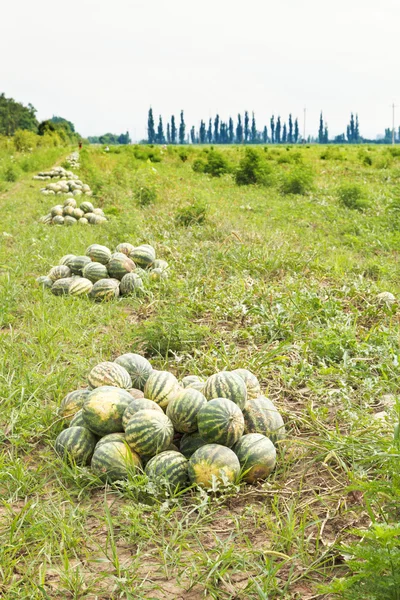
262 277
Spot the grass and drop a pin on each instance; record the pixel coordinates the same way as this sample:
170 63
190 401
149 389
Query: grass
262 276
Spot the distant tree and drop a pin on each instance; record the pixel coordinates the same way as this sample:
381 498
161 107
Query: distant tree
193 135
182 128
290 132
351 130
296 131
321 129
160 138
216 129
223 133
203 133
239 131
65 122
151 133
124 138
272 122
209 132
341 138
173 130
246 127
231 134
278 131
284 134
253 130
168 133
265 135
326 135
14 115
357 130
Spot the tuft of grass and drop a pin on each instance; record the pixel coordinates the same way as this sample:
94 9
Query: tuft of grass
352 195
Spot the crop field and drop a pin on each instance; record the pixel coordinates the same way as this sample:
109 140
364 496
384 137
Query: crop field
276 260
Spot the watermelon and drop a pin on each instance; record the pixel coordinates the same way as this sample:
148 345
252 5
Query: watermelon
251 381
160 264
149 432
197 385
58 220
61 286
131 284
111 374
135 406
99 211
136 393
68 221
226 385
257 456
184 408
190 442
56 211
213 465
78 213
80 286
94 271
162 387
77 420
105 289
143 255
261 416
125 248
113 459
70 202
71 403
103 409
189 379
119 436
83 221
66 258
158 274
98 253
45 281
47 219
87 207
69 210
77 264
220 422
76 444
168 467
59 272
119 265
138 368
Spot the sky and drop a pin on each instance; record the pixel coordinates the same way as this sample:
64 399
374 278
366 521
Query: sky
102 64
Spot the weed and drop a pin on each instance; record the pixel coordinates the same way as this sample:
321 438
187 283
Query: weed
352 195
192 214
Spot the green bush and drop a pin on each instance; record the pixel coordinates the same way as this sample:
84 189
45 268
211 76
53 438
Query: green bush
183 155
215 165
297 181
351 195
199 165
10 173
193 214
253 169
145 195
170 334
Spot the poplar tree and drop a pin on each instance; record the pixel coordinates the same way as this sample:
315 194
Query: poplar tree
284 134
209 132
160 132
321 129
272 122
216 129
290 132
357 131
326 136
296 131
265 135
173 130
253 130
239 131
278 131
193 135
246 127
203 133
231 135
182 129
151 133
223 133
168 134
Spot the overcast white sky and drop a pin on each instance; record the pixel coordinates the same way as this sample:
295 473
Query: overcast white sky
102 64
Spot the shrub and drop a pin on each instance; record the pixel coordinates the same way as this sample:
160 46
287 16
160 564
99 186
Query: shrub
199 165
10 173
298 181
183 155
193 214
351 195
253 170
216 164
170 334
24 140
145 195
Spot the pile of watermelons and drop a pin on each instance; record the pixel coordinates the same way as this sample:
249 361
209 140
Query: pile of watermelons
132 417
70 214
76 187
103 275
55 173
73 160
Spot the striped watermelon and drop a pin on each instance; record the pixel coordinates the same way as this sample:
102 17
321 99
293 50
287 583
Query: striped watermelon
45 281
57 211
59 272
76 444
69 210
61 286
213 466
149 432
83 221
197 385
103 409
161 387
119 265
136 393
46 219
105 289
125 248
111 437
111 374
158 274
189 379
58 220
257 456
131 284
251 381
87 207
226 385
70 202
98 253
261 416
169 467
80 286
183 410
135 406
66 258
68 221
160 264
94 271
112 460
71 403
77 264
190 442
78 213
138 368
221 422
143 255
77 420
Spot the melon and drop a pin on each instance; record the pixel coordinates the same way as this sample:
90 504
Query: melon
189 379
87 207
162 387
94 271
119 265
58 220
105 289
72 402
190 442
125 248
76 444
80 286
113 459
68 221
61 286
226 385
168 467
262 416
149 432
44 281
257 456
251 381
99 254
220 422
109 373
77 420
213 466
59 272
131 284
103 409
136 393
66 258
135 406
78 263
184 408
143 255
138 368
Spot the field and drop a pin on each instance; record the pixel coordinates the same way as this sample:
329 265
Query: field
284 284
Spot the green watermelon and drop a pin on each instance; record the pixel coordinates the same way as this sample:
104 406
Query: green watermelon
111 374
119 265
136 393
80 286
105 289
158 274
261 416
168 467
57 211
66 258
257 456
68 221
77 420
149 432
138 368
45 281
162 387
76 444
61 286
87 207
59 272
103 409
99 254
111 437
131 284
190 442
83 221
58 220
78 263
226 385
197 385
184 408
94 271
213 465
251 381
112 460
125 248
220 422
143 255
71 403
189 379
68 210
160 264
135 406
70 202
